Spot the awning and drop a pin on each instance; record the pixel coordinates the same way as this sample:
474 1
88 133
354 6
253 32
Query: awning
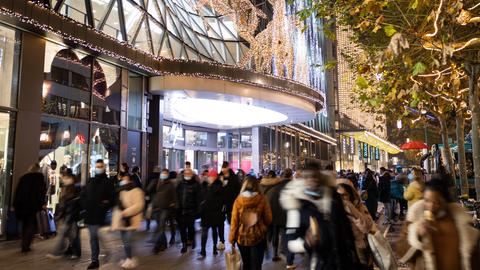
314 133
373 140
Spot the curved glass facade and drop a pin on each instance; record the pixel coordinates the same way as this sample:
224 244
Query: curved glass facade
177 29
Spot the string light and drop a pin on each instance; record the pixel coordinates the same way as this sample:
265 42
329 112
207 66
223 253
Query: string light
435 24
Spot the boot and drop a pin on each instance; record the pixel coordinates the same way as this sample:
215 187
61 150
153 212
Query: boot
194 244
172 240
215 251
184 248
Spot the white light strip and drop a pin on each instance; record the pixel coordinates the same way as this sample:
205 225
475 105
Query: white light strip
316 134
368 133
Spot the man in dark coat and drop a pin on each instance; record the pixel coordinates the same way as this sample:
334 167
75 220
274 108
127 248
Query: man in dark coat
279 220
97 199
189 197
384 190
232 187
211 212
30 197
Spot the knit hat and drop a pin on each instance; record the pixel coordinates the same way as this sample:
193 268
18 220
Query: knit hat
213 173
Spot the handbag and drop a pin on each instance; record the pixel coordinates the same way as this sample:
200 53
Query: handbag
233 260
382 252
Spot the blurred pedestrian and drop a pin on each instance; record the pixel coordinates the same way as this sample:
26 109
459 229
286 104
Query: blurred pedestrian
369 194
136 177
360 220
251 217
127 216
68 212
438 234
384 194
211 212
150 183
189 198
241 175
268 185
317 222
232 188
414 191
163 203
172 217
396 191
30 197
97 199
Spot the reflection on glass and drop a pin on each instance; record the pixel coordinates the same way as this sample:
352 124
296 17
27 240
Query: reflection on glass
107 88
222 140
66 86
173 136
174 159
135 97
196 138
206 160
134 148
7 124
75 9
66 143
104 144
9 55
246 139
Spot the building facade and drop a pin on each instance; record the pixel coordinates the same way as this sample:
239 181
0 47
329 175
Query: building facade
150 83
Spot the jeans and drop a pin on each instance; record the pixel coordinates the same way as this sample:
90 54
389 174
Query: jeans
94 242
290 256
252 256
387 210
126 237
69 232
274 237
161 240
215 230
28 227
221 232
186 224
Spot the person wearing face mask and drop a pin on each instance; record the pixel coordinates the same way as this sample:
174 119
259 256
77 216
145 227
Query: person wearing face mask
163 202
96 199
189 197
127 216
68 210
414 191
211 212
438 234
232 188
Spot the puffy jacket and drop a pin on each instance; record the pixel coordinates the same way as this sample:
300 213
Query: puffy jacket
251 236
232 189
413 193
384 183
163 194
189 197
132 202
97 199
211 209
273 194
396 189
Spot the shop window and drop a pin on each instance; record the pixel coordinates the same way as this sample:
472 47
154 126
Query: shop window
65 143
246 139
135 97
196 138
246 161
9 56
104 144
222 140
7 125
66 86
173 136
107 89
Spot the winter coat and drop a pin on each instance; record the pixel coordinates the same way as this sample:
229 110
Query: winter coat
279 214
419 251
370 187
29 195
362 224
137 181
97 197
413 193
384 183
69 207
266 184
211 209
163 194
189 197
336 248
232 189
128 214
396 189
250 202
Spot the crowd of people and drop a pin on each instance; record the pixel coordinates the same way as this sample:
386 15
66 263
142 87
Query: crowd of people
331 217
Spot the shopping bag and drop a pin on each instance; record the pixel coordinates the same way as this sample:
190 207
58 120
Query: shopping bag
43 227
382 252
233 260
51 223
12 229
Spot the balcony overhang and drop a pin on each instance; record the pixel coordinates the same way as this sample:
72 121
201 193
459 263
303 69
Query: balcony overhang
373 140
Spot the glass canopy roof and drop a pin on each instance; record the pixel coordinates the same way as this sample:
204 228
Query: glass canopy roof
169 28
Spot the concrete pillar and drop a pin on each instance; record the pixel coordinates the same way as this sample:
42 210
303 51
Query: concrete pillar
256 149
27 131
155 150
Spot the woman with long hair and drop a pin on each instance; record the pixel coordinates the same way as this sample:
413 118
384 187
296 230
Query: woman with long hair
251 216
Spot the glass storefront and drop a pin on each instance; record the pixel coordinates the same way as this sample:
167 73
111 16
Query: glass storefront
105 144
134 148
9 67
135 98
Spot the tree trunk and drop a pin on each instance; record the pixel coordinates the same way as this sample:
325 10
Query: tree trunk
462 160
473 71
449 164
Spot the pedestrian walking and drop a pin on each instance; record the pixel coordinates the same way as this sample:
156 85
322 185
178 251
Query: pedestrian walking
370 194
30 197
68 213
251 217
268 185
189 197
384 191
127 216
317 222
136 177
163 203
232 188
211 212
97 199
414 191
438 234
